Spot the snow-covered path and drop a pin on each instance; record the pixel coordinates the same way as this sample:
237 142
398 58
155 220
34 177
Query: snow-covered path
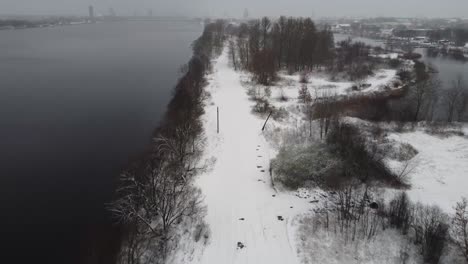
242 205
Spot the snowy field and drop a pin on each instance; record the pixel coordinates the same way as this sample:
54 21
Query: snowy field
249 221
319 85
440 174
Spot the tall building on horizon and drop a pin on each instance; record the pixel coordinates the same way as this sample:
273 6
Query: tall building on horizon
91 12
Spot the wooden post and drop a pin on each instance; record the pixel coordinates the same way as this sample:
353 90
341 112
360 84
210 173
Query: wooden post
263 128
217 118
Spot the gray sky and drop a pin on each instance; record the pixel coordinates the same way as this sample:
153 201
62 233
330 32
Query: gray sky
315 8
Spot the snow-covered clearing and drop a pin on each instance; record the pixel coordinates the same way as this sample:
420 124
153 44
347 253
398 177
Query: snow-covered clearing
319 85
249 221
440 174
323 246
243 209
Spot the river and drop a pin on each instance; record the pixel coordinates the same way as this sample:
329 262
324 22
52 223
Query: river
76 103
448 69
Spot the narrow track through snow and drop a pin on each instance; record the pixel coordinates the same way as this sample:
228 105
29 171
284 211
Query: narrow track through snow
238 185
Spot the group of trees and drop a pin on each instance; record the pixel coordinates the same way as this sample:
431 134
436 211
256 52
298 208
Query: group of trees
428 100
429 227
156 194
353 57
296 44
457 35
357 215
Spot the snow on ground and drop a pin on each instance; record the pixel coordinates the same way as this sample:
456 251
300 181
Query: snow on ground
323 246
320 85
440 174
249 221
391 56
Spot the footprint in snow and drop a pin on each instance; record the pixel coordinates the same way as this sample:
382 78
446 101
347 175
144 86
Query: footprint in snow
259 167
242 219
280 218
262 170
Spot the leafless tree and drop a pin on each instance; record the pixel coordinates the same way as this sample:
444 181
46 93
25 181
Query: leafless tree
232 53
160 194
459 229
431 228
306 99
456 99
423 97
324 109
265 28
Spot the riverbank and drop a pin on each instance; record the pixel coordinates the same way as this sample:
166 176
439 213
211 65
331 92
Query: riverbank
78 103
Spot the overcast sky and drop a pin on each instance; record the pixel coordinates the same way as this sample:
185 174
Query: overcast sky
314 8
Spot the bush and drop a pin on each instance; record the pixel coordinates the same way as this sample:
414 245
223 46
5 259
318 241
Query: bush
361 157
297 165
394 63
304 77
399 213
431 229
263 106
280 114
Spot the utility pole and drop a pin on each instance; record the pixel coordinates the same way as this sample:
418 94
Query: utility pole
217 118
263 128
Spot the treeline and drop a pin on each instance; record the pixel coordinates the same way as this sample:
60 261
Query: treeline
457 35
424 98
357 216
427 99
265 46
19 23
156 194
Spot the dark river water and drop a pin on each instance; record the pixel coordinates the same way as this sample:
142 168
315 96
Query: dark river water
76 102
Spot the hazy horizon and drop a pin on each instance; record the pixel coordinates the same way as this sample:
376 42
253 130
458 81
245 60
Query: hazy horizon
220 8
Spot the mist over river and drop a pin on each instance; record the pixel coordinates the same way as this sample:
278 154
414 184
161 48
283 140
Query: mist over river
76 102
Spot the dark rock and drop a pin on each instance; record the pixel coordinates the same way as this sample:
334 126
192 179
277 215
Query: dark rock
240 245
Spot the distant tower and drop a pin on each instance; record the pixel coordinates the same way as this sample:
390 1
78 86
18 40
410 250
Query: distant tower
91 13
150 12
112 12
246 14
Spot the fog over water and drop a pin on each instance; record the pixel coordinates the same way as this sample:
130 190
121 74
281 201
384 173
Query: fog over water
76 103
316 8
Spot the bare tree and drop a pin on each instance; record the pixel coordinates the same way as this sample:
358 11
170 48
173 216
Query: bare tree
459 230
455 99
462 104
304 94
265 28
431 228
324 109
232 52
306 98
422 97
160 194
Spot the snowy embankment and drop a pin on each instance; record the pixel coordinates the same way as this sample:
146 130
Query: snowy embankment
249 221
440 174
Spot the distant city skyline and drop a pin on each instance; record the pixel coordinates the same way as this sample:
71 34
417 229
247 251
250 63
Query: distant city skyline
256 8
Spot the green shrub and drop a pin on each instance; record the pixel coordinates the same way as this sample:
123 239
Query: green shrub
295 166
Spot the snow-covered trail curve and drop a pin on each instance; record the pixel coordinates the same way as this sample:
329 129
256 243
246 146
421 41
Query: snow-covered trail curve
242 206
